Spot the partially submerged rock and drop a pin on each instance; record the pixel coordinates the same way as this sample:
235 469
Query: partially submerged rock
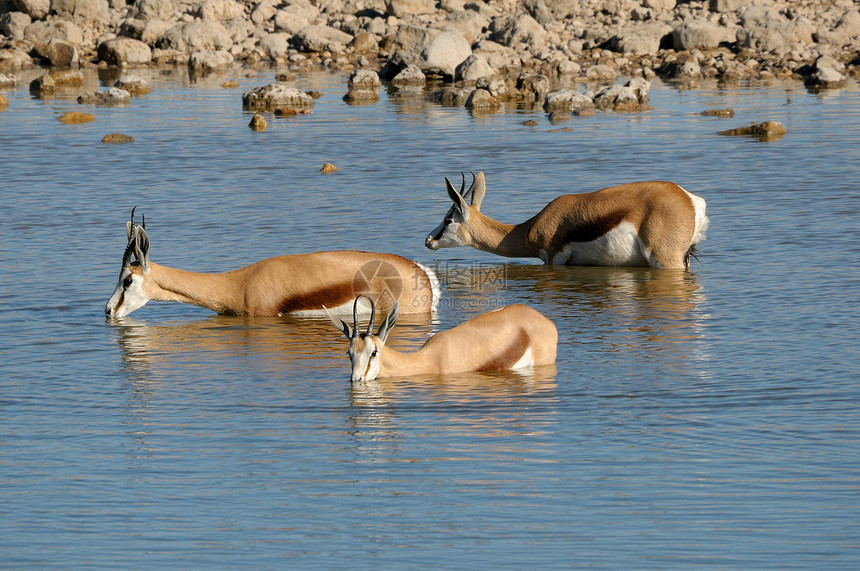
76 117
134 84
113 96
766 130
276 96
718 112
328 168
117 138
258 123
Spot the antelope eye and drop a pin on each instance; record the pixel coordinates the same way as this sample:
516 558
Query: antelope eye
127 282
372 355
448 220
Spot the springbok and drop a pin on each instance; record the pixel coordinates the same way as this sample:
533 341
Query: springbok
655 224
299 284
513 337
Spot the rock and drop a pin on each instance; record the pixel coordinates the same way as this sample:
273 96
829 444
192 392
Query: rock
67 78
219 10
275 45
230 84
124 50
117 138
151 10
444 53
36 9
766 130
632 96
469 23
76 117
290 23
13 24
210 61
520 29
405 48
718 112
473 68
85 12
700 34
660 5
532 87
44 32
410 75
258 123
112 96
601 72
264 11
196 36
3 102
643 39
42 85
320 38
363 43
567 100
328 168
275 96
361 96
134 84
725 5
481 99
825 77
61 54
8 81
364 79
450 96
407 8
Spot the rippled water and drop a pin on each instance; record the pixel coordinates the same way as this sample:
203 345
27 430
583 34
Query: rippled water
707 418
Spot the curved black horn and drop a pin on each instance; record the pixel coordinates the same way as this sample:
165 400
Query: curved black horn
471 188
126 255
462 184
355 317
132 215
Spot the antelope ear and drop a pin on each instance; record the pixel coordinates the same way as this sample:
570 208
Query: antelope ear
479 188
389 321
339 323
456 197
141 248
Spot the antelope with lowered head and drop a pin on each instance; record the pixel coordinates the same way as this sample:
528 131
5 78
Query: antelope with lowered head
510 338
655 224
299 284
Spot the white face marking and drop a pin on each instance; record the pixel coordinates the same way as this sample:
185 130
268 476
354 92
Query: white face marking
128 295
364 355
620 246
445 234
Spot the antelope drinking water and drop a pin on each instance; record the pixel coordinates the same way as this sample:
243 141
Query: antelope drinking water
655 224
513 337
299 284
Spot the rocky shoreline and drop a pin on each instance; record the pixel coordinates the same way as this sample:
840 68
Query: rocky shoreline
491 51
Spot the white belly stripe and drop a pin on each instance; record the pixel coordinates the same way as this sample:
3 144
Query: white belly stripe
620 246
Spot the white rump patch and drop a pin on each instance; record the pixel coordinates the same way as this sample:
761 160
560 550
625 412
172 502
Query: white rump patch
435 288
701 217
621 246
527 360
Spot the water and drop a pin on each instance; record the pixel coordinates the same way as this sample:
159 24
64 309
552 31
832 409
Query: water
707 418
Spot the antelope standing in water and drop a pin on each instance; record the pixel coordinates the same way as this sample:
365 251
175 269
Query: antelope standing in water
300 284
513 337
655 224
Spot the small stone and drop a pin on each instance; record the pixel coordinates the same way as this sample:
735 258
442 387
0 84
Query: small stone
361 96
3 102
718 112
134 84
328 168
766 130
75 117
530 123
42 85
67 78
117 138
258 123
230 84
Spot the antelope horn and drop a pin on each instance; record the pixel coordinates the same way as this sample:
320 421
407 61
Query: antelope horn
372 315
355 318
471 188
126 255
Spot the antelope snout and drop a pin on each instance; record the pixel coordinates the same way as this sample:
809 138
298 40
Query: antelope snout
431 243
